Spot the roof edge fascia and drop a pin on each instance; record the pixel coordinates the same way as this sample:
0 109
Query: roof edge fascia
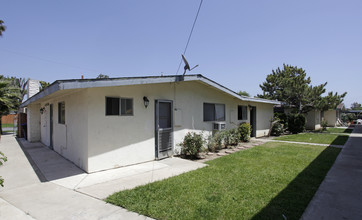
93 83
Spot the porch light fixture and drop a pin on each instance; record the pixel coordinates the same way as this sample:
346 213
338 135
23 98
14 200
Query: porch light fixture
42 110
146 102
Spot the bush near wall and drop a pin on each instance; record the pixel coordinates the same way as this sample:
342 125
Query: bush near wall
282 117
324 124
231 137
244 130
277 129
296 123
192 144
215 142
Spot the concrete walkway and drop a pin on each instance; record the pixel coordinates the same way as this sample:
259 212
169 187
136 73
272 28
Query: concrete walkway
40 184
305 143
340 194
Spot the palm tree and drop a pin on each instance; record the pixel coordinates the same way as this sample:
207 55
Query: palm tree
9 97
22 84
2 27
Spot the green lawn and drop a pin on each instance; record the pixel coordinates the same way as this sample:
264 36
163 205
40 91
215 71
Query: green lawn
319 138
264 182
7 125
339 130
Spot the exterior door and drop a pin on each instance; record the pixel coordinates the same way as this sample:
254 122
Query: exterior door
253 121
163 128
51 126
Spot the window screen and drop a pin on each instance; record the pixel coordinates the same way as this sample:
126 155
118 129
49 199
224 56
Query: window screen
242 112
164 115
112 106
214 112
61 113
209 112
219 112
126 106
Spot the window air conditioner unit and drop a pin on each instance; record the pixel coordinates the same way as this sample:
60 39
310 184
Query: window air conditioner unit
218 126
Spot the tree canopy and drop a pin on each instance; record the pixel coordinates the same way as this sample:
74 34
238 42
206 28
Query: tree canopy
43 85
101 76
9 95
2 27
356 106
293 88
244 93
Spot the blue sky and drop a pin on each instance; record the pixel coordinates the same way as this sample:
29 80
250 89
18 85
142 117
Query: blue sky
236 43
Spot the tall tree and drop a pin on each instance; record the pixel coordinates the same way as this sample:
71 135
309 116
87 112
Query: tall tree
101 76
22 84
293 88
43 85
9 96
244 93
2 27
356 106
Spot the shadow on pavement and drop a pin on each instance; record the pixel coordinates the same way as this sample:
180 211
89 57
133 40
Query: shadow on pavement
48 164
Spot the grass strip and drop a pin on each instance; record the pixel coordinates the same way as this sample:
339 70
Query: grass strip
264 182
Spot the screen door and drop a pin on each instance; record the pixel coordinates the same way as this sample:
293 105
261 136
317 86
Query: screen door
164 128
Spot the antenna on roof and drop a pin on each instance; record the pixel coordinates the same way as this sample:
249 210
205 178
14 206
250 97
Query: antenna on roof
187 66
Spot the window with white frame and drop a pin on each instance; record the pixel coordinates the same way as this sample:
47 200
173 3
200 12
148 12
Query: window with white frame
214 112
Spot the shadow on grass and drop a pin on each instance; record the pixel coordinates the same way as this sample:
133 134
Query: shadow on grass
294 199
348 131
340 140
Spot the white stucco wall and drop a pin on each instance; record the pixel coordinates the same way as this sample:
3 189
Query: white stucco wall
313 120
33 123
115 141
331 117
264 113
69 139
94 141
44 126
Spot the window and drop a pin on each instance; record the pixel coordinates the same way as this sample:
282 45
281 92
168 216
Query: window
242 112
119 106
214 112
126 106
112 106
61 113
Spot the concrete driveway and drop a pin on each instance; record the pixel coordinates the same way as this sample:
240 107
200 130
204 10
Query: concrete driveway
40 184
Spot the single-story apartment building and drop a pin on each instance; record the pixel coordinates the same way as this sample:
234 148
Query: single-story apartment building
101 124
313 119
333 116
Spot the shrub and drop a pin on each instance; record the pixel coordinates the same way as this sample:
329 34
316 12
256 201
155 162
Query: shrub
3 159
296 123
324 124
346 118
214 142
282 117
277 129
231 137
192 144
244 130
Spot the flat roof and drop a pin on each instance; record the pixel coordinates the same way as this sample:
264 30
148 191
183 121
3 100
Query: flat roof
123 81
